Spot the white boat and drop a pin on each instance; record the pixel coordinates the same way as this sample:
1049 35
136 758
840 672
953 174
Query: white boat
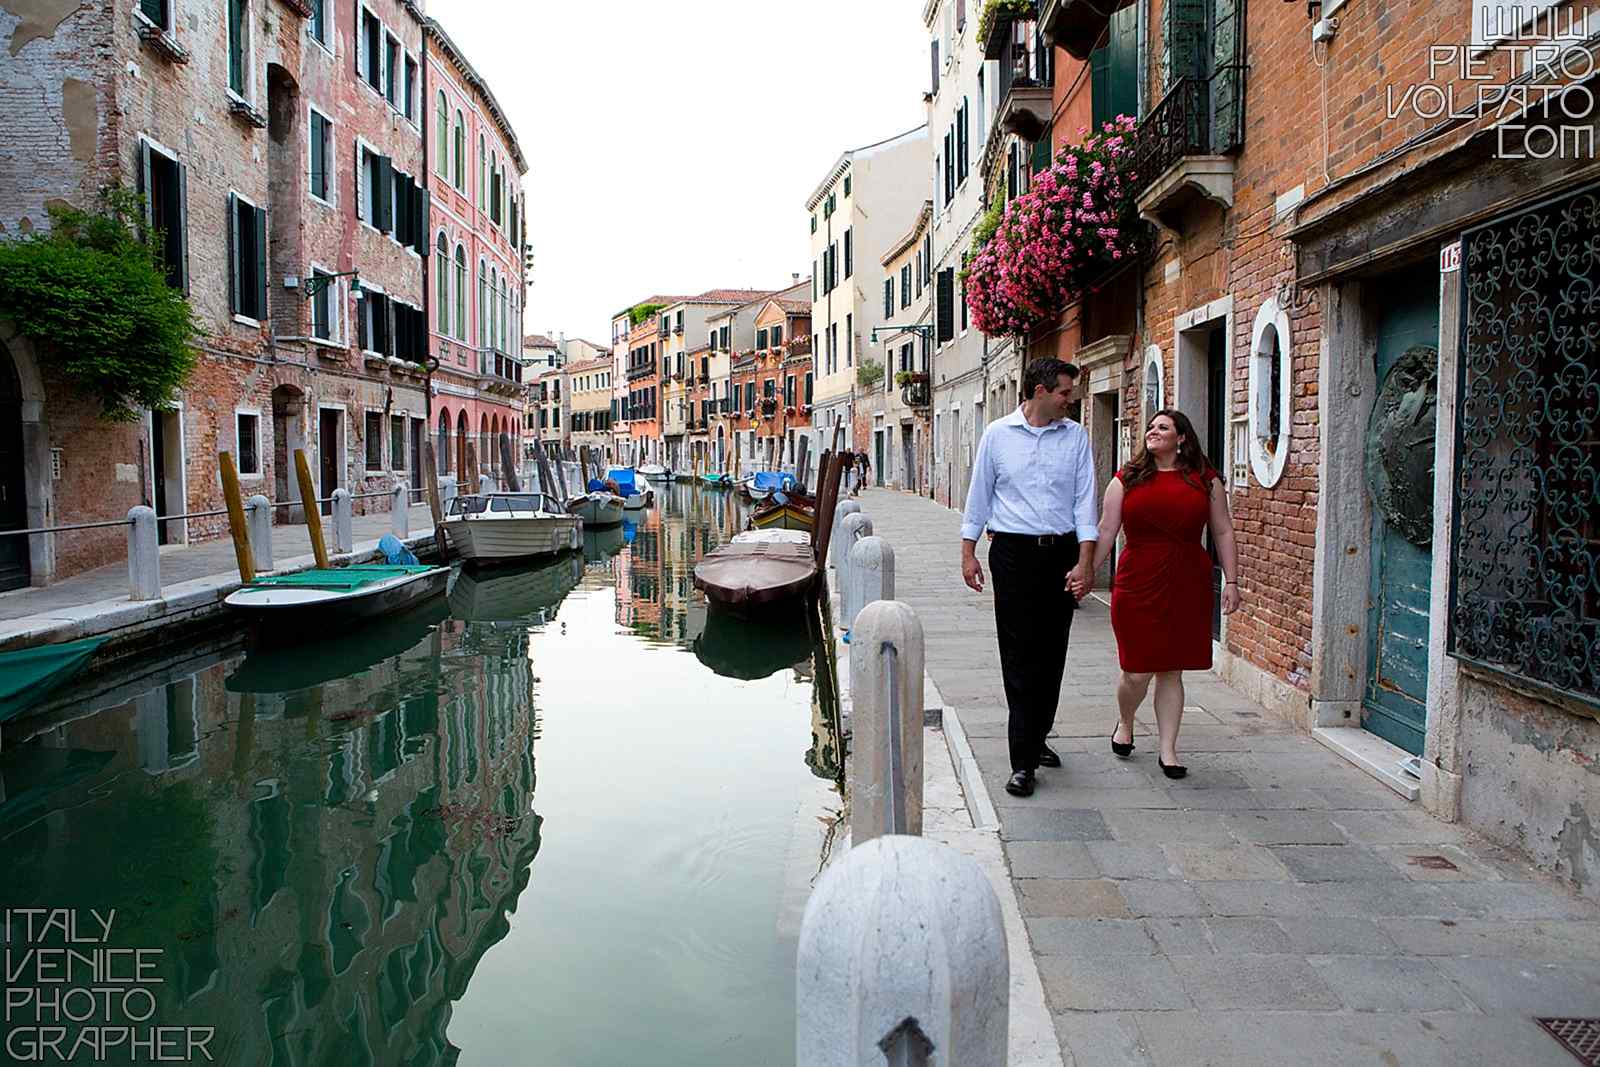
634 495
772 537
655 472
301 604
597 509
500 527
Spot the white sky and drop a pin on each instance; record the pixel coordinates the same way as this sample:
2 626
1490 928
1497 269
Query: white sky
671 145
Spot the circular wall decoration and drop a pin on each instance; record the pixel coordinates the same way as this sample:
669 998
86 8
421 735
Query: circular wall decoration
1400 444
1271 389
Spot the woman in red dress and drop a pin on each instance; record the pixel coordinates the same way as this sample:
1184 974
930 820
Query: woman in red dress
1161 597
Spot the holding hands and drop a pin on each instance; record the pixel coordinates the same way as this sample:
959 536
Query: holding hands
1080 581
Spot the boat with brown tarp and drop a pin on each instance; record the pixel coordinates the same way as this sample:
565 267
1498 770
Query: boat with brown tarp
762 569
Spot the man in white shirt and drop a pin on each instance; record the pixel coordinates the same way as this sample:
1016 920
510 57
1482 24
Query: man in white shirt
1033 487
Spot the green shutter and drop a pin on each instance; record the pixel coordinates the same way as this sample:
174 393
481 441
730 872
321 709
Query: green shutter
1186 42
236 46
261 264
383 195
1042 150
1227 97
233 253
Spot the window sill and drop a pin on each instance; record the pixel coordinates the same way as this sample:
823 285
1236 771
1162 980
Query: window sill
325 46
334 346
315 199
161 41
245 111
256 477
246 320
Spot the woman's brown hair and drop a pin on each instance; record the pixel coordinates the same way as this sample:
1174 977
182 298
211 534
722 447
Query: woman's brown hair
1191 460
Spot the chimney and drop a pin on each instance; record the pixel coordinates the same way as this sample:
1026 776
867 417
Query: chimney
794 279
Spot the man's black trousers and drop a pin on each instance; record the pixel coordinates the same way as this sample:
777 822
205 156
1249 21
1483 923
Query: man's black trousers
1033 617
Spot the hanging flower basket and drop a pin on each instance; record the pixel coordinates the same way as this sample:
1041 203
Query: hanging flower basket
1077 220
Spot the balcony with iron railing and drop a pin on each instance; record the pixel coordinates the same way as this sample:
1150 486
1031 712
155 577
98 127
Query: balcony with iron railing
1183 149
1026 76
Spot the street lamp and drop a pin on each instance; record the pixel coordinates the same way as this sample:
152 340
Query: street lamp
317 283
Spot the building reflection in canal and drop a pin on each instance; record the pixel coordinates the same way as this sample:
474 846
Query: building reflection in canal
325 841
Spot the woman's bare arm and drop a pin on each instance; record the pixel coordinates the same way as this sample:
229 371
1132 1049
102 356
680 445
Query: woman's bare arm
1221 524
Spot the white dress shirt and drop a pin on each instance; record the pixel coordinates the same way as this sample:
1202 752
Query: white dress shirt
1032 480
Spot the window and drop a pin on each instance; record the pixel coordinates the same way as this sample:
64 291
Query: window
808 387
1269 399
483 302
370 60
775 336
813 223
935 88
397 442
459 154
849 340
722 337
962 285
372 334
1114 69
761 339
323 304
849 255
888 298
441 266
375 206
164 182
158 12
247 257
946 301
483 170
461 293
847 185
905 286
441 135
373 440
321 157
917 274
238 26
247 442
391 70
408 105
833 344
963 140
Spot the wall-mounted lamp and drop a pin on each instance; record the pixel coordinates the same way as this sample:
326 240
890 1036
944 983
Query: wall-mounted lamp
319 282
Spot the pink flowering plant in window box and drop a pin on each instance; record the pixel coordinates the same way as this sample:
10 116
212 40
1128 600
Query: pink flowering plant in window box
1076 221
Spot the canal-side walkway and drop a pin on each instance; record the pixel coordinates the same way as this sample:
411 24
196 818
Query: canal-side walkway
194 577
1277 906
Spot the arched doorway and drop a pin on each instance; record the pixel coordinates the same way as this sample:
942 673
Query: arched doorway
15 571
463 432
441 449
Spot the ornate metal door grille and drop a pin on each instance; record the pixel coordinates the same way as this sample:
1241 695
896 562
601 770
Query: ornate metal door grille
1525 556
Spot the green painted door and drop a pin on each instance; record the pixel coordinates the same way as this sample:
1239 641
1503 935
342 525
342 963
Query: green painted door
1400 484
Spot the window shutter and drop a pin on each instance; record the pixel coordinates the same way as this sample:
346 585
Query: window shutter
390 310
145 183
360 180
1185 42
849 257
946 304
261 263
383 195
423 202
183 225
359 32
363 309
934 86
233 253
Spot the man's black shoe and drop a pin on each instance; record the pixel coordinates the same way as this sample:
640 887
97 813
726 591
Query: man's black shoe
1021 784
1048 757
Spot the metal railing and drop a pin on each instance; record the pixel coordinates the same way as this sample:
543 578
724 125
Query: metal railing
1198 116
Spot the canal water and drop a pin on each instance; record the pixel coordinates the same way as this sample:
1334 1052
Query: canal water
562 816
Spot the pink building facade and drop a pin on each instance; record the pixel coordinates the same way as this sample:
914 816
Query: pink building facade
477 223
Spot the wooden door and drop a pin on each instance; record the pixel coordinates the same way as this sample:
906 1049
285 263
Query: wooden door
328 455
1400 484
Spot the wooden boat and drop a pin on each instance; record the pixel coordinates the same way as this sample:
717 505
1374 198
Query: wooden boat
634 495
655 472
501 527
763 484
597 509
719 480
304 604
29 675
785 511
747 577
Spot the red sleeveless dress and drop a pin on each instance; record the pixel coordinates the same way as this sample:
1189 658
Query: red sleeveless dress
1161 598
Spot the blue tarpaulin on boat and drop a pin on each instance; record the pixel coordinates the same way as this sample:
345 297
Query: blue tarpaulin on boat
624 477
395 552
596 485
772 480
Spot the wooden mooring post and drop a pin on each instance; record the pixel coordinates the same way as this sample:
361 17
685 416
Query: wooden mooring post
236 527
308 503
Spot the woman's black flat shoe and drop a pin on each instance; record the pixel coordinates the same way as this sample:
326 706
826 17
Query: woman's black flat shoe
1172 770
1122 749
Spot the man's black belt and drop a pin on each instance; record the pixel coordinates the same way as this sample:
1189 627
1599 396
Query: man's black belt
1042 540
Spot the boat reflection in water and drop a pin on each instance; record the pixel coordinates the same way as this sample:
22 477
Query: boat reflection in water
602 544
322 843
522 594
754 648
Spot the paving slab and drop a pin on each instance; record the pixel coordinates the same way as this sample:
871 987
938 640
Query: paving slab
1277 906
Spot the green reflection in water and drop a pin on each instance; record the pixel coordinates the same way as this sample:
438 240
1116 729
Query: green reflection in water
333 846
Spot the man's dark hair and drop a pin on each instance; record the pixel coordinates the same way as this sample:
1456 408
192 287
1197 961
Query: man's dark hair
1044 371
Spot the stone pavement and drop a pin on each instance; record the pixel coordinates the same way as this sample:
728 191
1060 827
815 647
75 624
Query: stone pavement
183 563
1277 906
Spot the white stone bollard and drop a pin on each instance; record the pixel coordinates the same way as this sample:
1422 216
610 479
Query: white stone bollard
902 951
869 576
400 511
854 527
258 524
836 554
144 555
886 721
343 531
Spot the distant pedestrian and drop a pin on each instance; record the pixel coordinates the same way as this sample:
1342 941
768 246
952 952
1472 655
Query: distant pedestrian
1033 487
865 468
1161 597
